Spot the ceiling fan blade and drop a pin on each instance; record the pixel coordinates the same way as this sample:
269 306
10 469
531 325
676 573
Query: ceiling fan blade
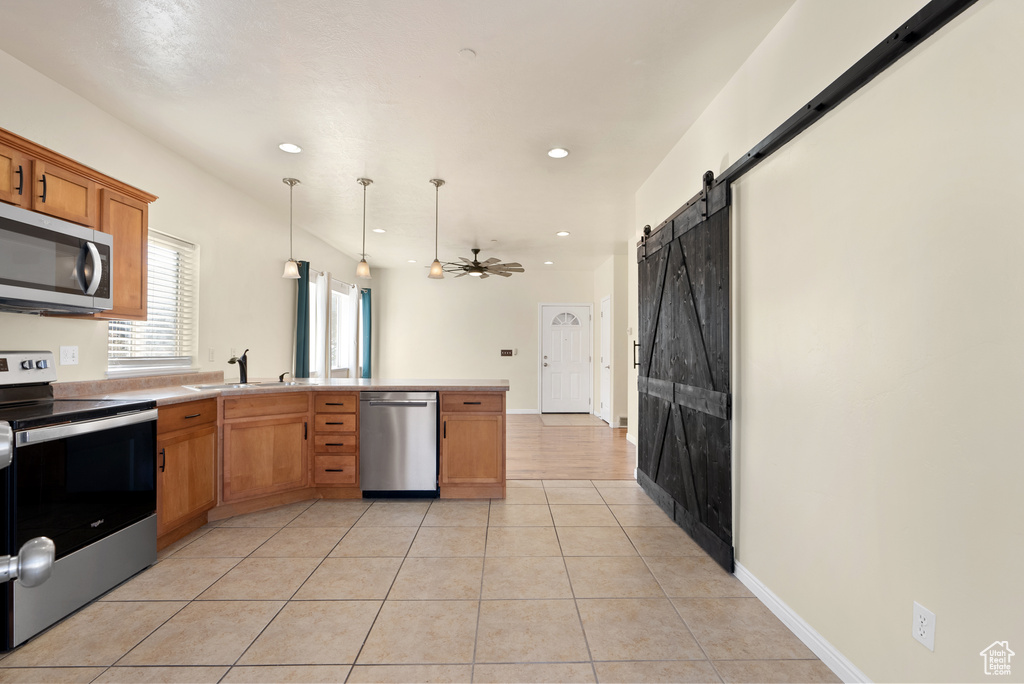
502 274
461 274
483 275
468 261
490 261
513 264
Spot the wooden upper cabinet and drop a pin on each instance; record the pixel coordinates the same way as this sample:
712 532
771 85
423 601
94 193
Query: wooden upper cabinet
64 194
127 219
15 177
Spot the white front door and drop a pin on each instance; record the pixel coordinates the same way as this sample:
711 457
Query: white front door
605 412
566 370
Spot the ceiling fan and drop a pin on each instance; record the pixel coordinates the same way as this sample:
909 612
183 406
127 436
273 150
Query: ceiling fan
483 269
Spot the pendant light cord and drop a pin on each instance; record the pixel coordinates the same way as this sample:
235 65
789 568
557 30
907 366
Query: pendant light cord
364 222
437 189
291 195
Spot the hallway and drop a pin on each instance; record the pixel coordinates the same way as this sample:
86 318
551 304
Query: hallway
539 452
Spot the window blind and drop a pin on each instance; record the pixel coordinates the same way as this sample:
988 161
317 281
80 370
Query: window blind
166 340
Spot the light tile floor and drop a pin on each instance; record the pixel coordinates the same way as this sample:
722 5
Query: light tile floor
563 581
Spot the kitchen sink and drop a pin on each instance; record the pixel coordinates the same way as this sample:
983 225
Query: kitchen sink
227 385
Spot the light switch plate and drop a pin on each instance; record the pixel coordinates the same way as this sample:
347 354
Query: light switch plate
69 355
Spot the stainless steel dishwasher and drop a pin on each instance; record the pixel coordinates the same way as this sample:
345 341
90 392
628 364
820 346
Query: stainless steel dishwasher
398 443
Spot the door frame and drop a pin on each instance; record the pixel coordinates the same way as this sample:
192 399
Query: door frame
540 350
611 361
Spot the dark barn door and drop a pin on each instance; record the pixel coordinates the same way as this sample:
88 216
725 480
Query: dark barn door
684 454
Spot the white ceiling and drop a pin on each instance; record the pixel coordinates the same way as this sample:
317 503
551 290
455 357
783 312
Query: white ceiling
378 88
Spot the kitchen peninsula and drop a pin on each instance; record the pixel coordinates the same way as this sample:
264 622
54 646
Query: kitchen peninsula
224 449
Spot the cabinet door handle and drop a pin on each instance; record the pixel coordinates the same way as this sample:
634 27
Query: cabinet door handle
332 403
21 179
334 470
334 423
305 431
43 196
163 459
472 403
194 415
446 429
334 444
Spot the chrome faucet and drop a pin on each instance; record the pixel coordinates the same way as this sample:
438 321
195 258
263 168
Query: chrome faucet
243 366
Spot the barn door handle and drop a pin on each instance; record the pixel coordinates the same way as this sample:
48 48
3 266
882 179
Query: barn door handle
21 179
636 345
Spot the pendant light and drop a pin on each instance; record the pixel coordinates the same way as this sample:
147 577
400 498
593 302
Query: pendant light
363 268
436 270
291 267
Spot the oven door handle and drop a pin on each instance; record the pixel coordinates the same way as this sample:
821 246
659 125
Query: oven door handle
6 444
50 434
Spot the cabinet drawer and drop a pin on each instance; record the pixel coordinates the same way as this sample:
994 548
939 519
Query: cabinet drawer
341 442
335 470
191 414
336 422
477 402
324 402
246 406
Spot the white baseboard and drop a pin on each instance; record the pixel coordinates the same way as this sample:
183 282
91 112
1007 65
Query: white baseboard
829 654
631 439
522 411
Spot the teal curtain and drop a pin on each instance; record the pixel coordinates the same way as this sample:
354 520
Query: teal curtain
365 325
302 323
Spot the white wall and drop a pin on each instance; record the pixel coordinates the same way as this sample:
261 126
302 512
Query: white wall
244 302
455 328
878 329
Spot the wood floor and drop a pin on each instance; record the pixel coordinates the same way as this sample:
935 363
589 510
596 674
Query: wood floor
537 452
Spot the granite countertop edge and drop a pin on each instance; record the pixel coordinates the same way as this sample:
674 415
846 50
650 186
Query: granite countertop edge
178 394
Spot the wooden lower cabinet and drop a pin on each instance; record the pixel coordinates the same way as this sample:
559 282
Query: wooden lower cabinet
472 446
186 485
265 452
186 477
336 440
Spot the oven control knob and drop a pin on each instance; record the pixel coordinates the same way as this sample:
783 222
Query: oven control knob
26 365
42 364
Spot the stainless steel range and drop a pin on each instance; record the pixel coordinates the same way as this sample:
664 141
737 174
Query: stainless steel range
80 472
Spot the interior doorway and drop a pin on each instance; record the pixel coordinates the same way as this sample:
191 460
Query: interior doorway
566 363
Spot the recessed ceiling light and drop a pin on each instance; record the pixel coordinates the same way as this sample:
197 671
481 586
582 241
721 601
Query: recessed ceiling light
290 148
548 263
412 261
379 230
562 233
558 153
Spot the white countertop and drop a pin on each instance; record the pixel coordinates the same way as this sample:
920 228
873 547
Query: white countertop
164 396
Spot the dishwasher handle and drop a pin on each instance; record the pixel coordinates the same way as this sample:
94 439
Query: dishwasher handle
403 404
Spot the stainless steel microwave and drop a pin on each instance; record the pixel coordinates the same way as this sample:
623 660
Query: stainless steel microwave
49 265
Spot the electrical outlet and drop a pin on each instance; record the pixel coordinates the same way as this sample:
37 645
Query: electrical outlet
69 356
924 626
212 357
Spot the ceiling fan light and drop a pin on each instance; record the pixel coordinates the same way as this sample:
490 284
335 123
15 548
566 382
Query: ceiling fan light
476 274
436 270
363 270
291 269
